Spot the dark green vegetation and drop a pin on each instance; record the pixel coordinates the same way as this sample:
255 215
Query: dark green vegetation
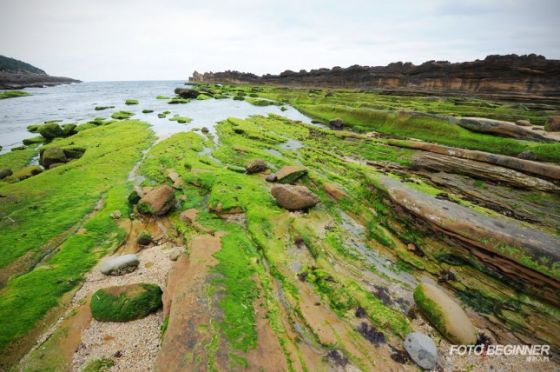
99 365
131 101
40 217
13 94
123 304
122 115
14 65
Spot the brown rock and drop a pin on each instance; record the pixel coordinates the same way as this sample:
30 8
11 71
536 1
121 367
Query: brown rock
334 191
189 216
157 201
553 124
294 197
255 166
500 128
290 174
524 123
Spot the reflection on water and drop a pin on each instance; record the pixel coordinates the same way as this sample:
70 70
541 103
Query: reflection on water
76 103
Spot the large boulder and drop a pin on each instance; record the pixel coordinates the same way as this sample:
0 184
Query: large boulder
51 130
421 349
255 166
444 314
187 93
125 303
157 201
294 197
553 124
290 174
52 155
5 172
119 265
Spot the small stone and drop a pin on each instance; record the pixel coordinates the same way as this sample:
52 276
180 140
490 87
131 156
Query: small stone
553 124
205 130
523 123
271 178
334 191
175 253
255 166
116 215
294 197
421 349
189 216
119 265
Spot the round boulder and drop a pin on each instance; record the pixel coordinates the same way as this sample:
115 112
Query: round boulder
444 314
553 124
157 201
294 197
421 349
51 156
119 265
255 166
125 303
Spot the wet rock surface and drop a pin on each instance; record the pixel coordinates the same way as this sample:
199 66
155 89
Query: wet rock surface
421 349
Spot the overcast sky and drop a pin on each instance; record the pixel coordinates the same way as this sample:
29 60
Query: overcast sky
169 39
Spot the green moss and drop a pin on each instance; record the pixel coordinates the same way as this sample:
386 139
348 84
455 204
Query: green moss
181 119
134 302
13 94
178 100
99 365
101 108
144 238
122 115
147 111
131 102
431 311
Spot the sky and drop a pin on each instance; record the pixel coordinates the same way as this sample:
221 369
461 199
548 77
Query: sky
106 40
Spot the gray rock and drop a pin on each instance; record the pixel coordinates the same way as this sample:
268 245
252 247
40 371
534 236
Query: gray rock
120 265
421 349
175 253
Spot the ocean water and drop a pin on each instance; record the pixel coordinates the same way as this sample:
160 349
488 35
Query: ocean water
75 103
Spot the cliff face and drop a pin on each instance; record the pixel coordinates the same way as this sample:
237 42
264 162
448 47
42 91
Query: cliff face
512 76
15 74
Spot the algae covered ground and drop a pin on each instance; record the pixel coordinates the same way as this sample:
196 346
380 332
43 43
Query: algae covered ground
327 287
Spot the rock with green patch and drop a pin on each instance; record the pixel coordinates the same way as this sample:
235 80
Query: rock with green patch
69 129
51 131
157 201
290 173
51 156
33 128
444 314
119 265
553 124
99 365
5 172
27 172
125 303
74 152
33 140
131 102
294 197
147 111
256 166
122 115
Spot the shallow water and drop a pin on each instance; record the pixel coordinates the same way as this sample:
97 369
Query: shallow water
76 103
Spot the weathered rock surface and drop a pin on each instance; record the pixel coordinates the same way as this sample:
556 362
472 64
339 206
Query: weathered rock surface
334 191
294 197
256 166
445 314
290 173
519 252
125 303
51 156
479 170
546 170
553 124
119 265
421 349
500 128
157 201
497 76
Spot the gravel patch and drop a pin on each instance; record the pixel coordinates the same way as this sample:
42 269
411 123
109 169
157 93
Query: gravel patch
134 345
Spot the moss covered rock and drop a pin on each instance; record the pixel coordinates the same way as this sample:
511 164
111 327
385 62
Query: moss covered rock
51 156
157 201
33 140
444 314
69 129
125 303
51 130
74 152
27 172
5 172
290 174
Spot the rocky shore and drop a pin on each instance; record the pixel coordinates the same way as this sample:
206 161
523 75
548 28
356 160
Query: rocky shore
507 77
376 237
16 74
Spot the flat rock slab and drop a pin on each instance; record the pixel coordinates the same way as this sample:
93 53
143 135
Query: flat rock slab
501 128
421 349
505 238
289 174
120 265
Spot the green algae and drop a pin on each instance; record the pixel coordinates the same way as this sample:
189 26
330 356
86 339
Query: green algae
129 305
13 94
